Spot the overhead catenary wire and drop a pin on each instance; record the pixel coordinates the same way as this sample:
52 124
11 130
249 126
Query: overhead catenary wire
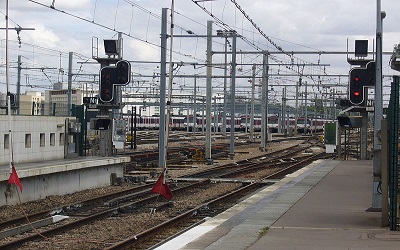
279 48
198 52
154 45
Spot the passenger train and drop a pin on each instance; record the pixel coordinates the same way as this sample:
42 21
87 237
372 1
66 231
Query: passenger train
313 124
242 123
182 123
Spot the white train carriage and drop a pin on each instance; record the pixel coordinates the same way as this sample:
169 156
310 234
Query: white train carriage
310 125
153 123
177 123
246 119
236 123
273 124
148 122
245 123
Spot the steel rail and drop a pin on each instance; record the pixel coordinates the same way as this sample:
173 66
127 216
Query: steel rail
138 238
53 211
86 220
146 234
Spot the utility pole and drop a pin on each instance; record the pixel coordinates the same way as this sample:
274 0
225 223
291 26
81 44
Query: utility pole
69 105
10 124
305 106
315 113
225 92
283 112
378 110
253 86
216 118
118 88
163 84
296 115
264 103
134 128
208 92
17 96
233 81
194 107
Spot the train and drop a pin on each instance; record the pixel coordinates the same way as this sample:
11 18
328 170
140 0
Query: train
183 123
241 123
313 125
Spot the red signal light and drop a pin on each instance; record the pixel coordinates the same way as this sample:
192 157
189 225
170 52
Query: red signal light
356 93
356 79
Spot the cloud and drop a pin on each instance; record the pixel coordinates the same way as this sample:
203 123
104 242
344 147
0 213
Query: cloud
140 51
292 25
71 4
58 4
43 36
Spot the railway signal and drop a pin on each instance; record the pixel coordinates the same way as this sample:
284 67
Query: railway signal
359 79
106 87
13 100
356 87
111 76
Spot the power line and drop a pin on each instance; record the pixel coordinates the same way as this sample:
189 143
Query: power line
224 25
112 29
93 22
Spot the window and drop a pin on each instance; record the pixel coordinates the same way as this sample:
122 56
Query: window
6 141
27 140
42 139
52 139
62 138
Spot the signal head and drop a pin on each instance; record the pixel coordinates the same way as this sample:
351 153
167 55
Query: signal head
356 85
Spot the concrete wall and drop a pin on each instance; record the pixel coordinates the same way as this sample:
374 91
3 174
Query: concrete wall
40 186
50 126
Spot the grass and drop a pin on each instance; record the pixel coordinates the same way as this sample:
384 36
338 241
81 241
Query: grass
263 232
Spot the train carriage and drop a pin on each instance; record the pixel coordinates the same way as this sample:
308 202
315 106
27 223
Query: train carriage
236 124
241 123
177 123
310 125
246 119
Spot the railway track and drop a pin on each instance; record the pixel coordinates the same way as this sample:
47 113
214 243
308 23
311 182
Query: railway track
125 205
150 158
193 215
80 205
146 239
270 157
111 209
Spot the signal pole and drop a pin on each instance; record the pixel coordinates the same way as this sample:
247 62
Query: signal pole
378 111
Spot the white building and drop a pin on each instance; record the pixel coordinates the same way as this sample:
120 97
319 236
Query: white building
31 103
35 138
57 101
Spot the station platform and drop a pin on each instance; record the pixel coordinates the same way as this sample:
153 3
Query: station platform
322 206
59 177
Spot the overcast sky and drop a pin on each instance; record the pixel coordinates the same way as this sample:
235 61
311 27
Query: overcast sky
308 25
